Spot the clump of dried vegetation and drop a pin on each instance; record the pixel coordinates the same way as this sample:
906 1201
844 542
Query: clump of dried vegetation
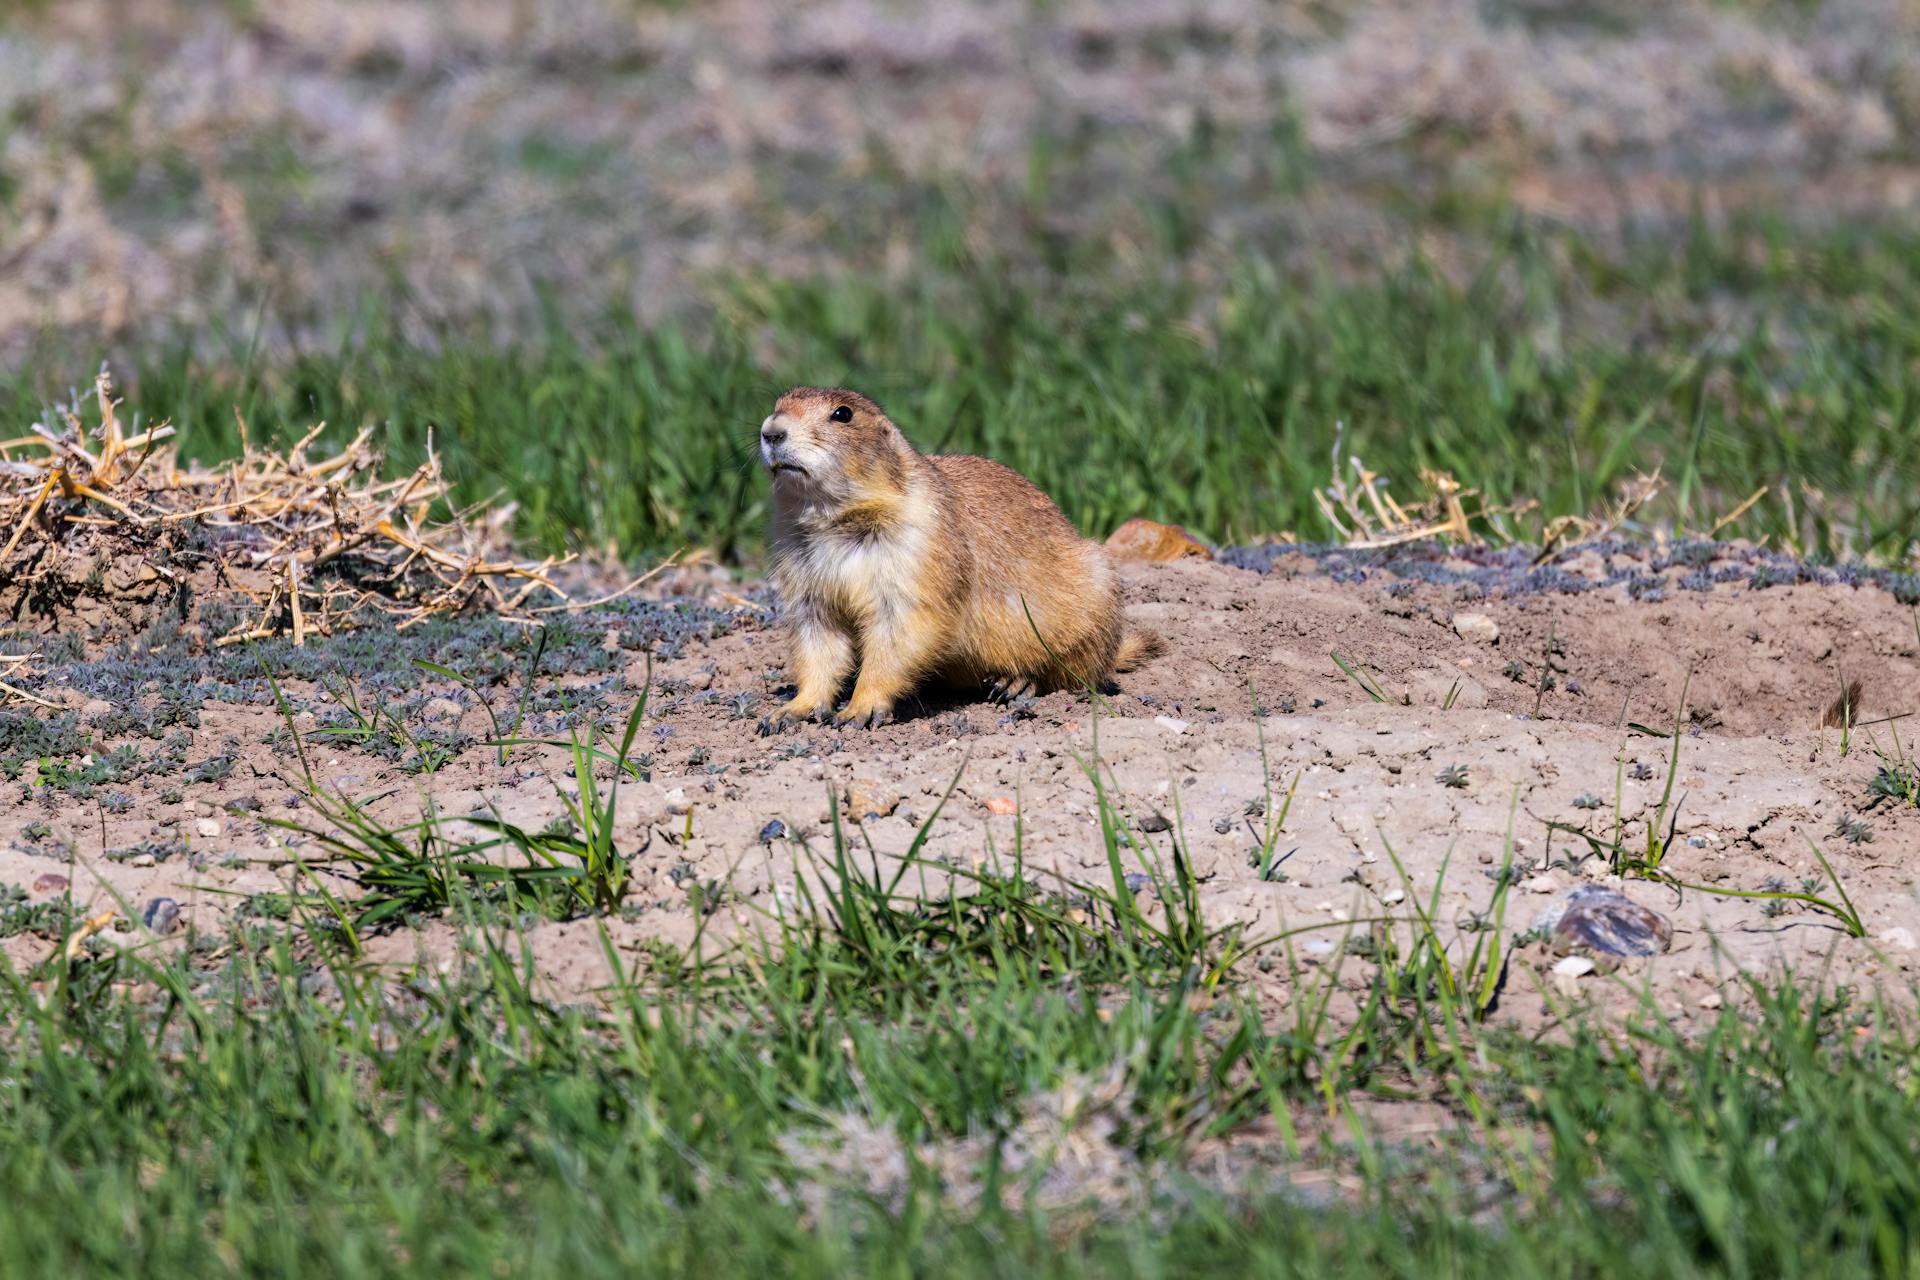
306 544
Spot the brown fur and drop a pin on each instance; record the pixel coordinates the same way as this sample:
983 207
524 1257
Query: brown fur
915 567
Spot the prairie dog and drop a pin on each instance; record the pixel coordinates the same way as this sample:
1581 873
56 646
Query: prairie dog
913 567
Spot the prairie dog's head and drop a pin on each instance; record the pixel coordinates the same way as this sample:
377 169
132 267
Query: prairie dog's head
832 445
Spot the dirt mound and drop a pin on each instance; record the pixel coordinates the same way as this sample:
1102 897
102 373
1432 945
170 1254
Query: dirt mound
1477 704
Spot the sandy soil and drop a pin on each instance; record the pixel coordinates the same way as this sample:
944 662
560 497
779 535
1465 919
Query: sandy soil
1758 777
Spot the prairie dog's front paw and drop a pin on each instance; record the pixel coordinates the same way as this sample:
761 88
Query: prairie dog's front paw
804 708
860 715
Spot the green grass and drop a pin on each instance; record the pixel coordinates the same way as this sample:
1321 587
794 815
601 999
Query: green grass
1758 357
266 1106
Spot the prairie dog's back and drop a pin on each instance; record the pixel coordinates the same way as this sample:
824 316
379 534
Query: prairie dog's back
1030 567
1009 515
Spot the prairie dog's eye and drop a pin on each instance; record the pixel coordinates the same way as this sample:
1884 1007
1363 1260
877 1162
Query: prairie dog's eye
841 414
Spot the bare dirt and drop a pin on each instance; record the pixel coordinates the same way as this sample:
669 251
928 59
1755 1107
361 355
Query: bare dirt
1249 668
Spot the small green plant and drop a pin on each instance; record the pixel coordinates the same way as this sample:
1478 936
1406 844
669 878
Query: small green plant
1360 676
588 846
1587 800
1453 775
1547 680
377 729
1263 857
18 914
1897 778
422 867
1266 866
502 739
1662 827
1853 830
1465 991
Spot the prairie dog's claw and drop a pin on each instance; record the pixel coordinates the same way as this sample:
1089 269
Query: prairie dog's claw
1007 688
869 719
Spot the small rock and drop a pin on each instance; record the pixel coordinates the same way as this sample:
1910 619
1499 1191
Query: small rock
869 799
1140 539
442 709
775 830
1546 882
1574 967
1566 978
1393 897
1155 822
1002 806
50 883
161 915
1314 950
1170 724
700 681
96 707
1476 626
206 828
677 802
1711 1000
1899 937
1609 926
1221 826
142 860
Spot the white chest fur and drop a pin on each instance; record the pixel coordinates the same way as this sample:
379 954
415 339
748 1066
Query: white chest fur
861 575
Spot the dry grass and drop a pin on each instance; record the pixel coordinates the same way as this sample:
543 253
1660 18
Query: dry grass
1364 514
316 545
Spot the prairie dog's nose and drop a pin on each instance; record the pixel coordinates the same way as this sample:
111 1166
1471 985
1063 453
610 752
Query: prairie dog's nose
773 430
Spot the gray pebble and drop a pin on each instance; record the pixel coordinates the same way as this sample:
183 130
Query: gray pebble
161 915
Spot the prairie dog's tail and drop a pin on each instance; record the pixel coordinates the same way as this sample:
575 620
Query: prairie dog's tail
1136 648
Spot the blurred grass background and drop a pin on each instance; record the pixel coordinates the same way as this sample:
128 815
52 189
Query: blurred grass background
1786 361
1161 257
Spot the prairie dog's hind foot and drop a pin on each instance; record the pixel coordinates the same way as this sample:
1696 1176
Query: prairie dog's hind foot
1009 688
